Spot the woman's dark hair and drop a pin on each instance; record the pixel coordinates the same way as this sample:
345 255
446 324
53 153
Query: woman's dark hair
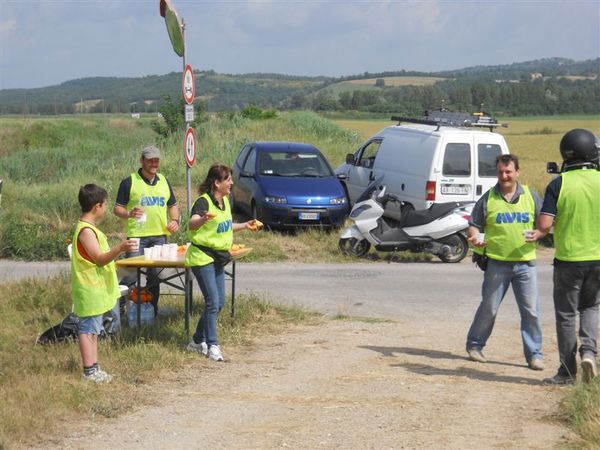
90 195
507 159
217 172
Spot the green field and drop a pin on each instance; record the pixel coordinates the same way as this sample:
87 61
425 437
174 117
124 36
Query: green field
44 160
398 81
366 84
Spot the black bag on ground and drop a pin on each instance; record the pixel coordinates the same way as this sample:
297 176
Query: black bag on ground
66 331
220 257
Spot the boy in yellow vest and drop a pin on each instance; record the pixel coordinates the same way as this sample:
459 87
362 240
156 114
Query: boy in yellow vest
94 284
504 214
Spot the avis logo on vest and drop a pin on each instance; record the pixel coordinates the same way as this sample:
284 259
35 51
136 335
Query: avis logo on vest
154 200
511 217
224 226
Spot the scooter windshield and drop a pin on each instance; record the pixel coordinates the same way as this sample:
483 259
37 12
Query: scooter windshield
368 192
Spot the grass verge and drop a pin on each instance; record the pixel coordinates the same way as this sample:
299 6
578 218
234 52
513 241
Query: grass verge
581 407
41 386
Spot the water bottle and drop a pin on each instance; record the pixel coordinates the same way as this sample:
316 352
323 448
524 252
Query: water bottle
140 222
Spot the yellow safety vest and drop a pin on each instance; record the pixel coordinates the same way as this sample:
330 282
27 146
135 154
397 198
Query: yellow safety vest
154 201
94 288
504 226
577 224
217 234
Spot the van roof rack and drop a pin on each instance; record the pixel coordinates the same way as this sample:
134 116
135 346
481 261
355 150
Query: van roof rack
443 117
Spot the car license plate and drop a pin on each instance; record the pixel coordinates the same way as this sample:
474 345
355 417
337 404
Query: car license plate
455 189
309 216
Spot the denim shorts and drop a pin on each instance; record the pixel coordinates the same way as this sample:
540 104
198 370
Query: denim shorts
90 325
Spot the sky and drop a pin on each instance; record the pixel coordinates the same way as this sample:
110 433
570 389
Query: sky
47 42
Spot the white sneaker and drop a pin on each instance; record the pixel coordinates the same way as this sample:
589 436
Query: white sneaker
588 367
98 376
214 353
201 348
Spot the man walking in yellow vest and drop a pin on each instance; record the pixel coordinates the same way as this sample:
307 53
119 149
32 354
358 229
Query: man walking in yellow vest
147 201
506 214
572 204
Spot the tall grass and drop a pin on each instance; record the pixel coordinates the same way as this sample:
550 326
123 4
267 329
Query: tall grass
45 161
582 409
41 386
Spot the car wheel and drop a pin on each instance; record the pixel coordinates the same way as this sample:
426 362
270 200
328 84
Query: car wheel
457 248
354 247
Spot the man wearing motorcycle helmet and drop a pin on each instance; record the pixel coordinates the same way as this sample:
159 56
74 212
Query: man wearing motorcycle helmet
572 205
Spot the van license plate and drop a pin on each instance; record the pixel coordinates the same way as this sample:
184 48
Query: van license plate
455 189
308 216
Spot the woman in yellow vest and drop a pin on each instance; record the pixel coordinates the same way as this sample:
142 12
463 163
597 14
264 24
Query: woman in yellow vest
211 232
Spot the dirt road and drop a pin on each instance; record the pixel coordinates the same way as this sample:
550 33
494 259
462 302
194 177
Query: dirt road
344 384
356 383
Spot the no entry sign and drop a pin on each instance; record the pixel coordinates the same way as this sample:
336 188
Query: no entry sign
189 90
189 147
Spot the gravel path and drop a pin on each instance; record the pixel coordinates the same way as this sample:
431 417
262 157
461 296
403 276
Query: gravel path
356 383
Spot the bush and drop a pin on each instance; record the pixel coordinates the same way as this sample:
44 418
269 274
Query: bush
253 112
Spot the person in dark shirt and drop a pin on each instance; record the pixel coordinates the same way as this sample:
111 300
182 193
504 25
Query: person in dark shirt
572 206
147 202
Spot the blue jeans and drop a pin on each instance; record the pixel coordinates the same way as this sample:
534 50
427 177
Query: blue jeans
90 325
498 276
211 280
147 242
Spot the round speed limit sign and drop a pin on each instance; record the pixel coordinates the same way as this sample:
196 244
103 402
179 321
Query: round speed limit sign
189 147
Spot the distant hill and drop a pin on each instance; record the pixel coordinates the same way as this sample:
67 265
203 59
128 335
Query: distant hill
548 67
376 92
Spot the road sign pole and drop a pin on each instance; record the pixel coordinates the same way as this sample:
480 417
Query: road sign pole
188 184
188 170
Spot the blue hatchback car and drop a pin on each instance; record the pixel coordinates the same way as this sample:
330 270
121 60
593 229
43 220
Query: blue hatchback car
288 184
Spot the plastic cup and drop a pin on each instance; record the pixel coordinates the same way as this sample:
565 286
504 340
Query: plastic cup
137 244
528 234
480 238
173 252
148 253
164 251
156 252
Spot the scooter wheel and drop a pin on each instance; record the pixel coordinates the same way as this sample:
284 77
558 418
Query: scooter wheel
354 247
458 248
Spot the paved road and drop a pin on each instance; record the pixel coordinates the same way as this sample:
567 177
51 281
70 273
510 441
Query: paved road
432 291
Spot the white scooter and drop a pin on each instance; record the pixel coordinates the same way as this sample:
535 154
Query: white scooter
439 230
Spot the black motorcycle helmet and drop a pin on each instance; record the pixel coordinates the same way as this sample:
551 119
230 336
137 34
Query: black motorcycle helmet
579 146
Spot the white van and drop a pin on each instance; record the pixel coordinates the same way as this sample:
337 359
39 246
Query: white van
424 164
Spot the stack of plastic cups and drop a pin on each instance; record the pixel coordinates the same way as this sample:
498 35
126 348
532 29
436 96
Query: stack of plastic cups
172 252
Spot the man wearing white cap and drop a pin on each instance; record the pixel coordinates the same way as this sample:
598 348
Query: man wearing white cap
147 201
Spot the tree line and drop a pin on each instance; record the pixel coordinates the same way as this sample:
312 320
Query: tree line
537 97
541 87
